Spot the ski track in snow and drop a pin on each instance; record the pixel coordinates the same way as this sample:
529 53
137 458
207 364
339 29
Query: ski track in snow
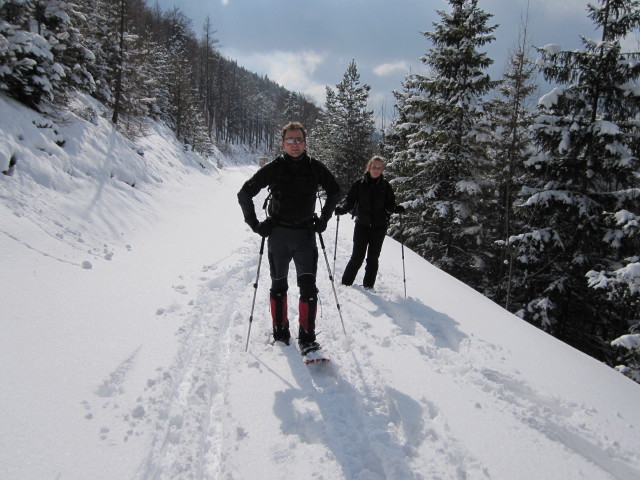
404 434
350 419
342 416
411 393
451 354
186 401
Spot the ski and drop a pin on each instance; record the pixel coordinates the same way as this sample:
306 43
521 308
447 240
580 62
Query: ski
313 354
310 354
315 357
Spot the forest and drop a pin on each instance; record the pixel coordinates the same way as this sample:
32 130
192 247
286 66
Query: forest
141 62
534 202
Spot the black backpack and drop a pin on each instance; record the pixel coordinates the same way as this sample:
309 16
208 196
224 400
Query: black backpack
279 162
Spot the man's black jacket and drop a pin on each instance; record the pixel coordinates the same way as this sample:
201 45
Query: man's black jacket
293 183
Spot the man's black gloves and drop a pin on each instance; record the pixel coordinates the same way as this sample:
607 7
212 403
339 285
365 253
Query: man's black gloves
340 210
399 209
319 224
264 228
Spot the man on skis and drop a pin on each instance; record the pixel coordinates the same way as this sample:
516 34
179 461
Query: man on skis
291 225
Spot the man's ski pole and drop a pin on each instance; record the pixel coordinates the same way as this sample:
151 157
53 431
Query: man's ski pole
332 283
335 247
255 286
404 278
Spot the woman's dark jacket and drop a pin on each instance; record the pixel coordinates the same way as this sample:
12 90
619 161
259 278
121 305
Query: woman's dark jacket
370 200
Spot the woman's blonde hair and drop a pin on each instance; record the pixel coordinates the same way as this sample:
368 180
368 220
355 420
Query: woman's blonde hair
375 158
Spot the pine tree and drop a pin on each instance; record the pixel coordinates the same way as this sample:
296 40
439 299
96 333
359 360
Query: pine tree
207 66
60 22
582 179
622 287
510 116
155 69
444 150
185 110
29 71
402 169
321 143
94 27
344 134
122 39
144 85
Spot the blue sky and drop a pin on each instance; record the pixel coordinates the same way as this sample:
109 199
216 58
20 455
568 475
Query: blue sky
306 45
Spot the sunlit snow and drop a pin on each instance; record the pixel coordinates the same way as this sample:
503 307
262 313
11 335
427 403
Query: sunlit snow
125 312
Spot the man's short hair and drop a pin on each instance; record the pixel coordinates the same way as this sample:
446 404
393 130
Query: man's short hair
294 126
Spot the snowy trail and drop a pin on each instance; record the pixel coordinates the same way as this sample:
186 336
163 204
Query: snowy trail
356 418
335 418
190 395
125 314
455 376
361 416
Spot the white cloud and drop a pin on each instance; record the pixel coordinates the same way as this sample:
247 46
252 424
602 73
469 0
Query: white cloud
391 68
318 93
292 70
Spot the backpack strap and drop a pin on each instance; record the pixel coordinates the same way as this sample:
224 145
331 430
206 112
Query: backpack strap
314 169
279 166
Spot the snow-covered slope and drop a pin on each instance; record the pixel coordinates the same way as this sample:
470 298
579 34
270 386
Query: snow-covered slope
125 313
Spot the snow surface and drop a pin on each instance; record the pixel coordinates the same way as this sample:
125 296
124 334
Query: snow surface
125 313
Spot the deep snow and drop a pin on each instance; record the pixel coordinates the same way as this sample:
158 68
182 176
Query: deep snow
125 312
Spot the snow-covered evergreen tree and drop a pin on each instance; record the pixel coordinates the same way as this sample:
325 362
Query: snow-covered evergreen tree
622 287
155 69
401 168
292 109
98 39
584 176
185 111
319 143
59 21
628 348
343 136
445 143
29 71
145 90
510 115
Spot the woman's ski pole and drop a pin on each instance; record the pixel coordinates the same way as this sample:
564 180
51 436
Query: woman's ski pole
255 286
332 283
404 278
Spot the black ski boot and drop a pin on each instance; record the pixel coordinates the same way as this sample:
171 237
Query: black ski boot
279 317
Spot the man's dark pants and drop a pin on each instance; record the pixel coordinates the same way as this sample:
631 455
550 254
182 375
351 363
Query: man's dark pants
297 244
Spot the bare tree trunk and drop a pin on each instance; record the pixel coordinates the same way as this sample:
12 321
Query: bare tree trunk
120 66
